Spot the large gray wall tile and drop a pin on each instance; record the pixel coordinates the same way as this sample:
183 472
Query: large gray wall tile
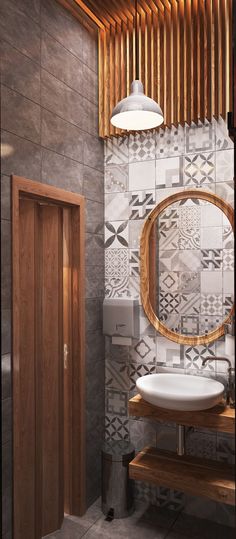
90 84
94 282
94 250
62 172
90 50
93 184
54 56
20 157
90 117
94 217
31 8
20 115
63 27
5 197
93 152
62 137
59 98
93 314
19 30
20 72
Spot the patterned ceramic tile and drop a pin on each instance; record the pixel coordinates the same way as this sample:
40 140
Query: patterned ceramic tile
211 259
201 444
170 499
116 402
134 287
189 324
134 262
190 217
169 303
199 138
161 194
116 150
226 191
169 239
199 169
117 375
189 282
225 165
145 492
211 216
226 448
222 139
116 428
116 262
135 230
136 370
142 433
193 356
117 207
228 282
189 238
168 219
211 282
145 327
170 142
172 321
209 323
181 260
116 352
169 172
168 353
227 304
189 303
116 234
228 259
228 238
116 178
117 287
142 146
143 351
141 203
142 175
211 304
211 237
169 281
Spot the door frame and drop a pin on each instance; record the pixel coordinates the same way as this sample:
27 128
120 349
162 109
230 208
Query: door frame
25 187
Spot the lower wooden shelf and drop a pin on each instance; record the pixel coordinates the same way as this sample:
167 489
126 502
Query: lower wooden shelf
192 475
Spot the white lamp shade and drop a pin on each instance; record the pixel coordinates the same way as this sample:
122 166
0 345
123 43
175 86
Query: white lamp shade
137 112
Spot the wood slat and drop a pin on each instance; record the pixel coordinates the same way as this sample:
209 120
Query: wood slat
214 480
184 56
219 418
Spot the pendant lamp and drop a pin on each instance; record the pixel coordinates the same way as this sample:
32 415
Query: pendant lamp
137 112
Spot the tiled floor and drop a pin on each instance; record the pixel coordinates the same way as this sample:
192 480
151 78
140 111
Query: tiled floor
147 522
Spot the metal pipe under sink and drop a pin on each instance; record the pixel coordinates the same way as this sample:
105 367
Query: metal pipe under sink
180 440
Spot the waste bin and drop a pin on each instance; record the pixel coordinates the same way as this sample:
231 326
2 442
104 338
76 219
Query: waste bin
117 488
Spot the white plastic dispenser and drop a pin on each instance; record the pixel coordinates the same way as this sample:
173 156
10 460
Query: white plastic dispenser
121 319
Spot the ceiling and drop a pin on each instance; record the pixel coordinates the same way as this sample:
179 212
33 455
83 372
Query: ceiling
184 55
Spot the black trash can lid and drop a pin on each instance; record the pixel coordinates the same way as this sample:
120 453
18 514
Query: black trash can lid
117 450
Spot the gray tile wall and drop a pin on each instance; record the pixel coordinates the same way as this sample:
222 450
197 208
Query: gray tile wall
140 171
49 97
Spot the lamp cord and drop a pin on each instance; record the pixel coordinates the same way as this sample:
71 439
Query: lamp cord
136 42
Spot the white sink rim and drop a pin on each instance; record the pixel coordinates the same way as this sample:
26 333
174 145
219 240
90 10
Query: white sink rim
183 392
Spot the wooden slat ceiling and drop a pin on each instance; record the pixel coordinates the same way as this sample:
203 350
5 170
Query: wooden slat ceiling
184 56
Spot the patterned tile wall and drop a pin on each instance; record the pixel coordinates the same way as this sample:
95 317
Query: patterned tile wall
140 171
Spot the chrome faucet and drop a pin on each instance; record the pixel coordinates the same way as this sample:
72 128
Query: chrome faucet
230 390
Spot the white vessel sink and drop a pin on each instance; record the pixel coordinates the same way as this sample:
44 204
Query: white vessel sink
180 391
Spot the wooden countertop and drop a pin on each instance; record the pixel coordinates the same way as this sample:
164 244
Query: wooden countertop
220 418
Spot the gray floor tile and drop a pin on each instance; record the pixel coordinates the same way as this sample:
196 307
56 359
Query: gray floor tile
197 528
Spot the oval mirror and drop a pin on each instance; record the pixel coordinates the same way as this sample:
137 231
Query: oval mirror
187 266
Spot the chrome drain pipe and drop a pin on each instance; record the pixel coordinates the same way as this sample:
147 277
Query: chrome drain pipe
180 439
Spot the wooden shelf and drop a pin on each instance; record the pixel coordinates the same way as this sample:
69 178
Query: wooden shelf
219 418
202 477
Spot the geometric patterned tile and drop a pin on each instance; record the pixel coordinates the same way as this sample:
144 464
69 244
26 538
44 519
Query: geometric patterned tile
212 304
116 262
117 375
225 448
212 259
168 219
228 260
117 287
142 433
193 356
169 239
116 428
199 138
168 353
189 238
225 165
144 351
116 178
222 139
142 146
116 234
202 445
145 492
116 206
226 191
136 370
170 142
189 282
116 150
169 281
209 323
170 499
189 304
199 169
134 262
134 286
172 321
141 203
116 402
135 229
169 172
189 325
227 304
168 303
145 327
190 217
228 238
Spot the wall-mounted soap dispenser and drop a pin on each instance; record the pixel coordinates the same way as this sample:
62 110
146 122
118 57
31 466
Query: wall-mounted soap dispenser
121 319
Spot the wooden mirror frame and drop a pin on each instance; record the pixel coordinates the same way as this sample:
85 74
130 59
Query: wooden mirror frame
146 260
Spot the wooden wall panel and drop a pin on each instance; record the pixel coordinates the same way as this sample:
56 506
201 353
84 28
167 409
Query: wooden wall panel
184 56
